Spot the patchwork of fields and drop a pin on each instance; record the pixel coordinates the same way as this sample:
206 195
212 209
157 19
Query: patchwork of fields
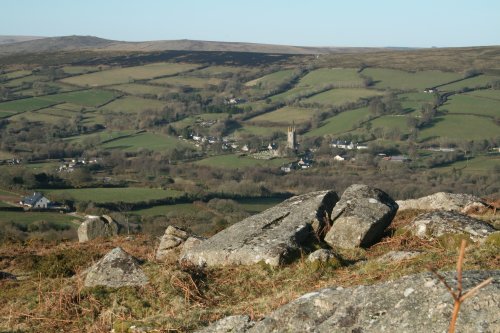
289 95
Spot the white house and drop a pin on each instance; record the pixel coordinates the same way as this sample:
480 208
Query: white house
37 200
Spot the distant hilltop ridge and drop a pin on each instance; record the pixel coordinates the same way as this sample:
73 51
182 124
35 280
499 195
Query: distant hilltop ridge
26 44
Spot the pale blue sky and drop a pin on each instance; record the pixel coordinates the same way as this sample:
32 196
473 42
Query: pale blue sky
412 23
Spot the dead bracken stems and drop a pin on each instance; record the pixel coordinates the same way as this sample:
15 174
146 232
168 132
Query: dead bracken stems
457 294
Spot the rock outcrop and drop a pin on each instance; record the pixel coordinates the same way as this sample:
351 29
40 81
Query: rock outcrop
232 324
97 227
418 303
360 217
393 256
438 223
443 201
321 255
274 236
171 241
116 269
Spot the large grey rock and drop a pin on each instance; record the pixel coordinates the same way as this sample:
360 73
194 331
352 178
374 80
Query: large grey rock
274 236
413 304
171 241
360 217
116 269
231 324
443 201
97 227
437 223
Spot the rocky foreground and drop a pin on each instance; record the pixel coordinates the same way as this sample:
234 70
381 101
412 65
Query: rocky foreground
324 244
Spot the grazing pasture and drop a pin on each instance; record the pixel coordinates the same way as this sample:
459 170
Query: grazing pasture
273 79
133 104
25 104
187 81
341 123
91 97
341 77
472 104
27 218
128 74
397 79
473 82
140 89
145 140
341 96
125 194
286 115
459 127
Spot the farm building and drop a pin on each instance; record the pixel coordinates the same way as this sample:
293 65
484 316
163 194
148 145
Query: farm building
36 200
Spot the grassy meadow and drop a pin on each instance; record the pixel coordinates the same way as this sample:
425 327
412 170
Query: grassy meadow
128 74
397 79
341 123
472 104
145 140
125 194
133 104
341 96
286 115
341 77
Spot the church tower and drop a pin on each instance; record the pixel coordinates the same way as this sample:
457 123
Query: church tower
292 137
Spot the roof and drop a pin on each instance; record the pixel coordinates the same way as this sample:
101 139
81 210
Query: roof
33 199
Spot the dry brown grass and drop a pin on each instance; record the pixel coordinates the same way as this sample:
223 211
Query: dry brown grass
182 298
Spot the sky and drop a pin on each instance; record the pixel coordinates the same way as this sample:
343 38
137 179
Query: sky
371 23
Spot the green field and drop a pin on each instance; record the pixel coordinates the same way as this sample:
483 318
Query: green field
476 165
235 162
128 74
133 104
259 130
26 104
16 74
145 140
220 71
342 77
91 97
187 208
257 205
391 122
74 70
18 82
26 218
191 121
413 101
126 194
100 136
273 79
473 82
39 116
290 95
188 81
341 96
488 94
396 79
286 115
139 89
469 104
460 127
341 123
